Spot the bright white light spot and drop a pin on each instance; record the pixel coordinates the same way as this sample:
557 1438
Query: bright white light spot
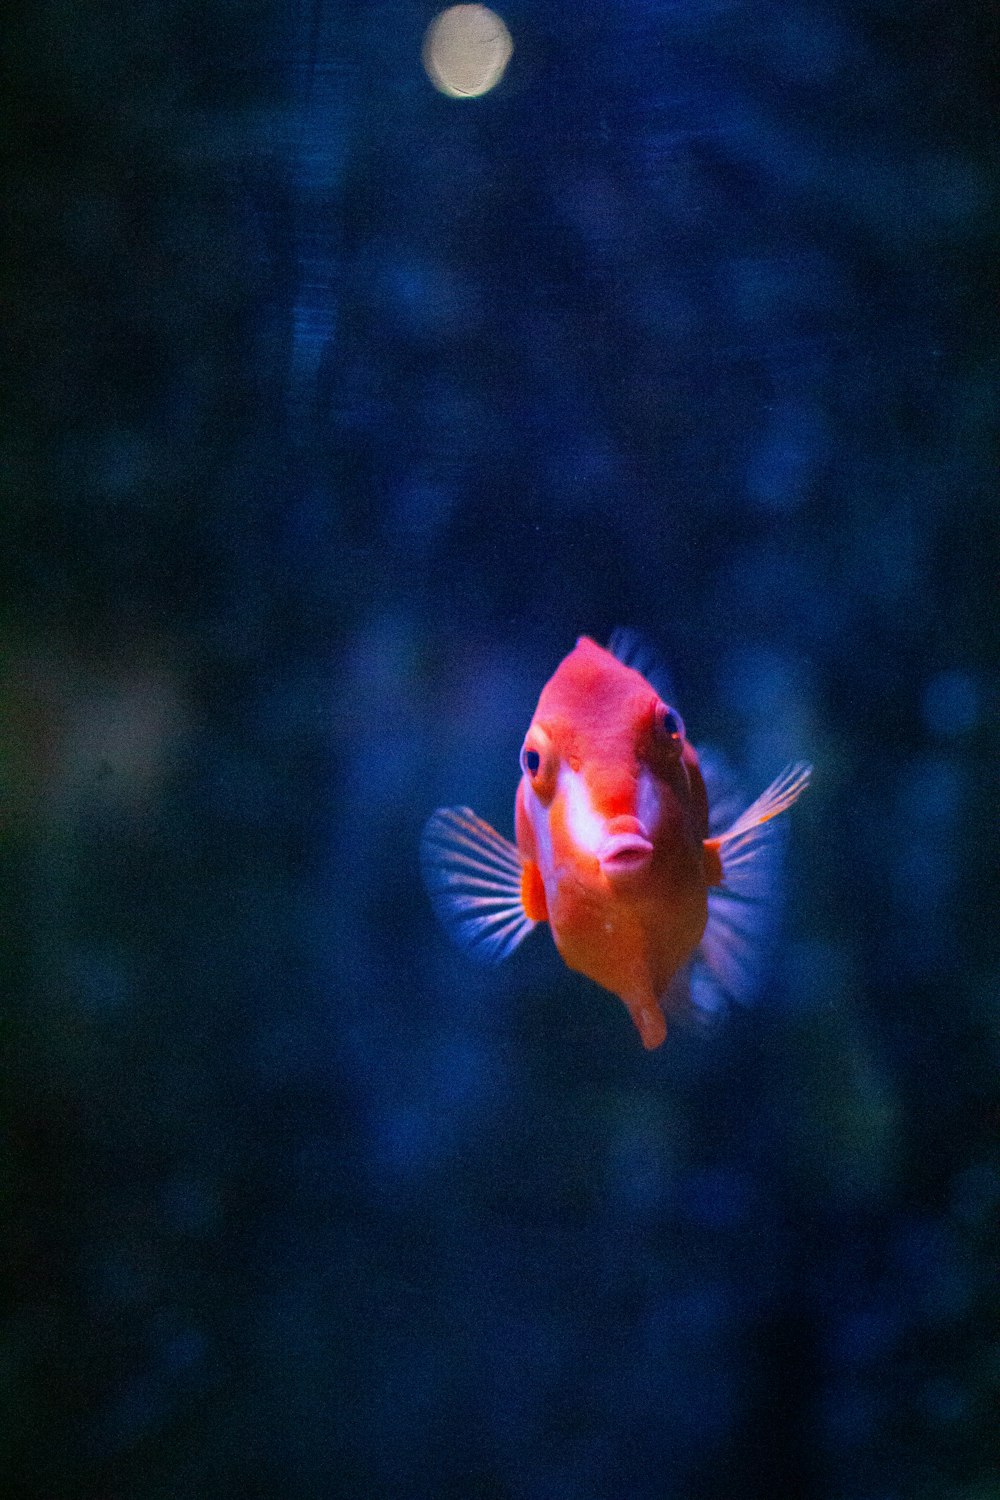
466 50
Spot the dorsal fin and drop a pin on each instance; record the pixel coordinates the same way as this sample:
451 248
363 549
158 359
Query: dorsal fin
633 649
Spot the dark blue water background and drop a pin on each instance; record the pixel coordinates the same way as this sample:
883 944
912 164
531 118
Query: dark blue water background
336 410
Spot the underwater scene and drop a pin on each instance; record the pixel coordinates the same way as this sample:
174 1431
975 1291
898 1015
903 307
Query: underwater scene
498 751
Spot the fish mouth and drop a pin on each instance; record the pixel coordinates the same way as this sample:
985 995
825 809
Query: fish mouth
625 854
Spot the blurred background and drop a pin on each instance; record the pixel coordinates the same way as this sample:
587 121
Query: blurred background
336 407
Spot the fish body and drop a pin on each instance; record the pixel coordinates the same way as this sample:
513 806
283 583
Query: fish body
613 845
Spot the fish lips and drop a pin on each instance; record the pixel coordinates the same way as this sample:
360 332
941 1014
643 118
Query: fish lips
623 855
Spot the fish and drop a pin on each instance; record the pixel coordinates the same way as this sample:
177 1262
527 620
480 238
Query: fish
626 845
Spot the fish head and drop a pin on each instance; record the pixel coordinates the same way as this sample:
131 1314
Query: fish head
610 785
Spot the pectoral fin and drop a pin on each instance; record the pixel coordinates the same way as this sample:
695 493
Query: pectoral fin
476 880
743 872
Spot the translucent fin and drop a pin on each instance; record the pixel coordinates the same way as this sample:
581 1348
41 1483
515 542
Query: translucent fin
723 790
779 796
693 997
473 877
632 649
743 912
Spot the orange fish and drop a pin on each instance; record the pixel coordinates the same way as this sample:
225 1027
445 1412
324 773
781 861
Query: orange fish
618 847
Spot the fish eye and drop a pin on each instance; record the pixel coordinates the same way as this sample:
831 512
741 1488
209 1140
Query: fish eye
539 762
669 723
